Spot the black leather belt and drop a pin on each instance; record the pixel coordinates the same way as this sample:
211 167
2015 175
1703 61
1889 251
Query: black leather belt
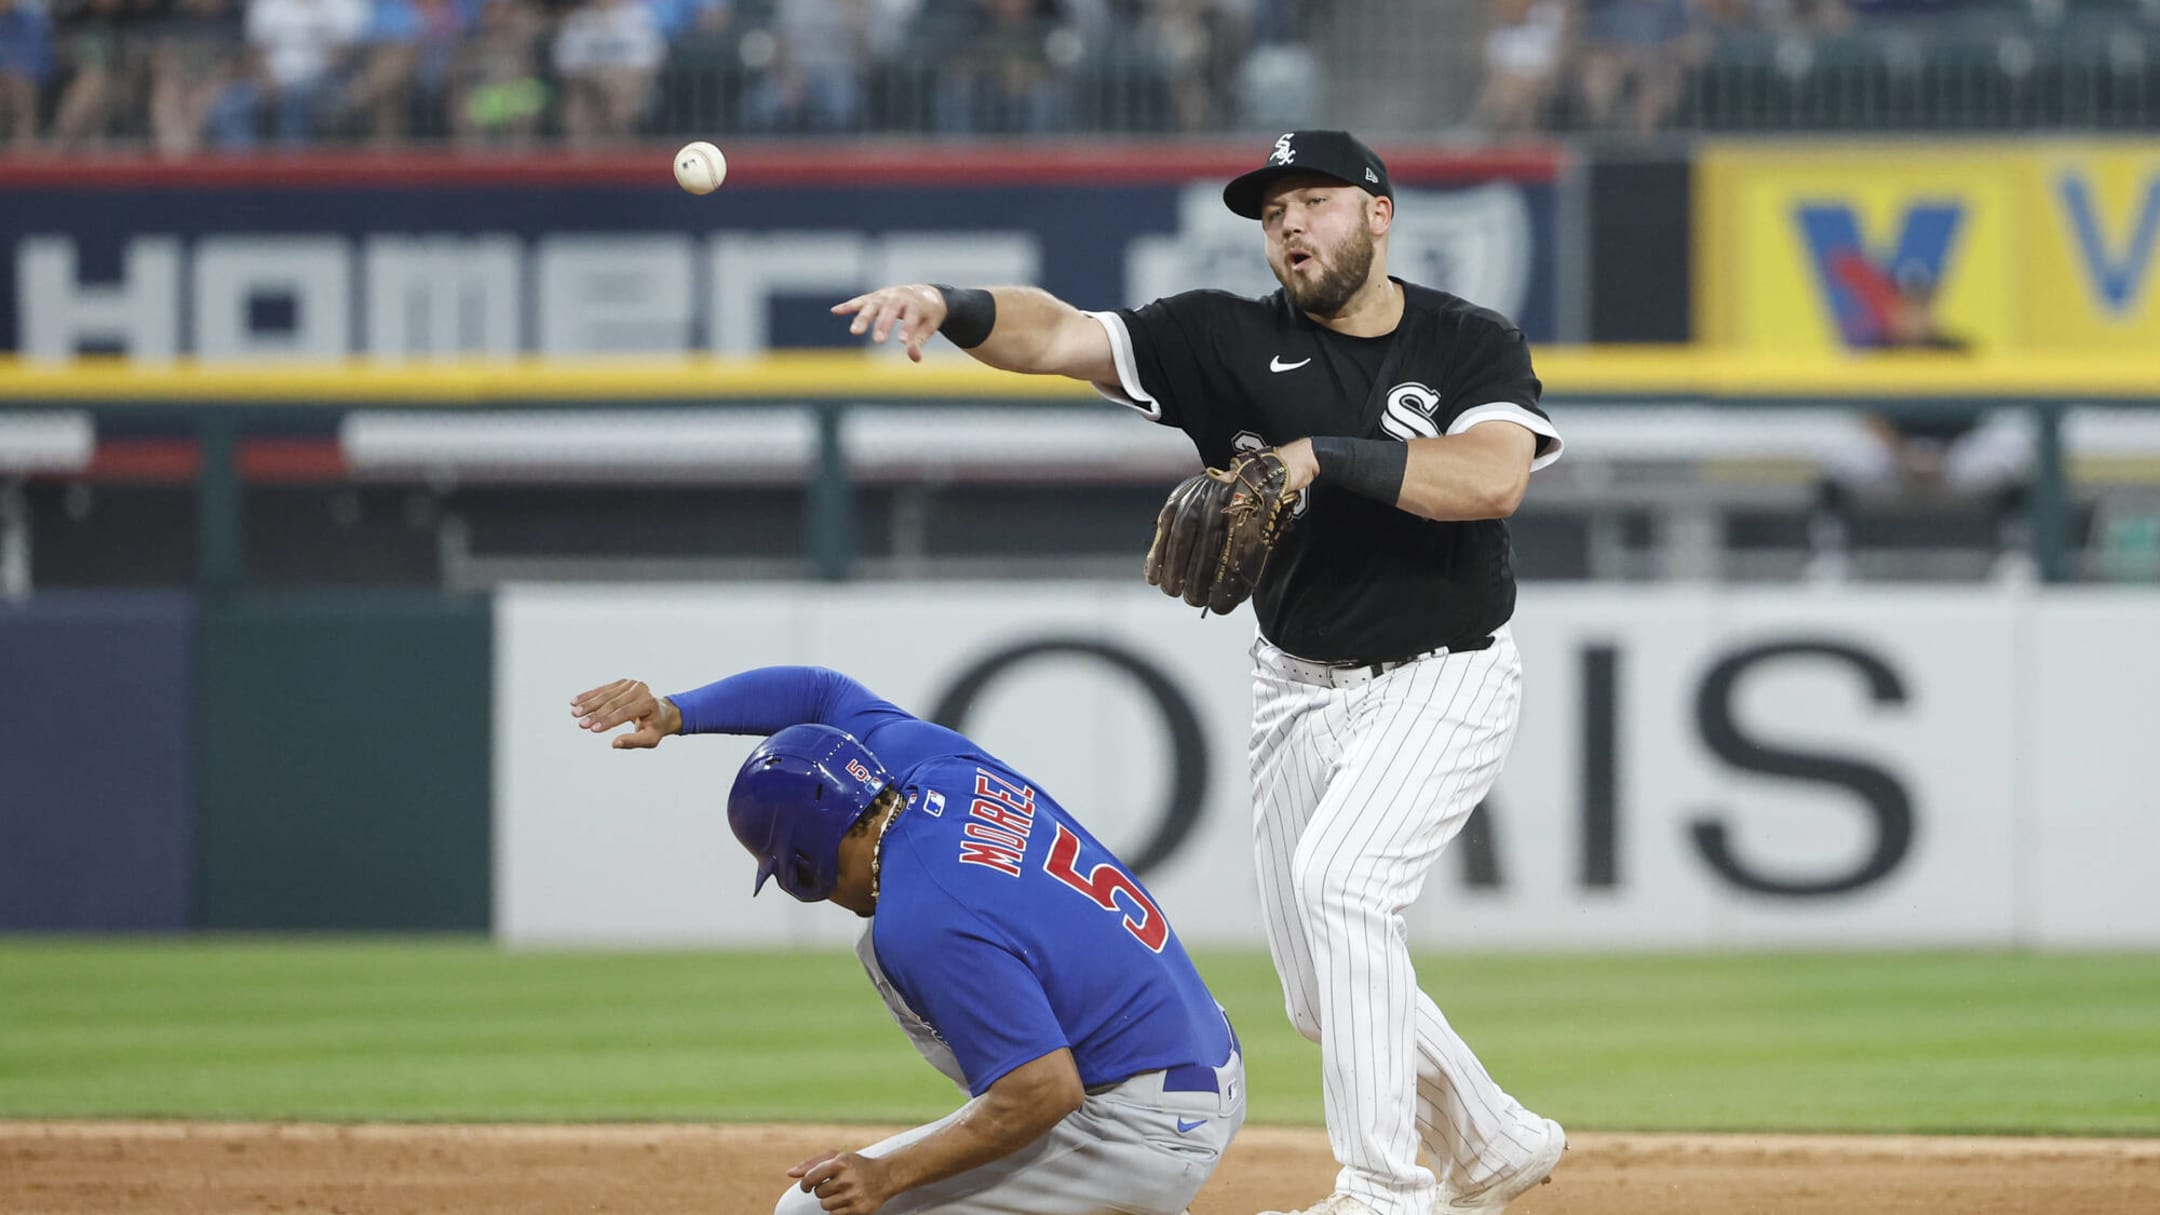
1351 673
1385 665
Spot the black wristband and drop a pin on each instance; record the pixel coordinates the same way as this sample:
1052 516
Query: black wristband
970 314
1371 467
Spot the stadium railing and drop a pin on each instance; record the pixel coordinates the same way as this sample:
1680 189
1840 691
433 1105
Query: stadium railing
1678 434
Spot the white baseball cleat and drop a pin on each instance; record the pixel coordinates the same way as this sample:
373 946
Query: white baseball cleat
1333 1204
1492 1198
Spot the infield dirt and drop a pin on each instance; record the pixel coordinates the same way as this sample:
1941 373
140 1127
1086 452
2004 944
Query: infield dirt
184 1168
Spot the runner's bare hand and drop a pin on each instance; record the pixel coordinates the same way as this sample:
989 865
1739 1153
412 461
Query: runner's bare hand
627 700
846 1183
909 314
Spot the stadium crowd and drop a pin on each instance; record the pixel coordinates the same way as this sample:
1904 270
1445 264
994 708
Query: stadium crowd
1639 66
180 75
233 74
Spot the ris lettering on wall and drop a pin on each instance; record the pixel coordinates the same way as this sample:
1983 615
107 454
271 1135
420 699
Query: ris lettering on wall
1695 766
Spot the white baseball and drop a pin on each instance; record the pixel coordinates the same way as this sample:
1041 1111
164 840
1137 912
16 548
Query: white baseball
700 168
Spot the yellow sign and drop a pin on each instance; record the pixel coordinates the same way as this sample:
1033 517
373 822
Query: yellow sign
1817 248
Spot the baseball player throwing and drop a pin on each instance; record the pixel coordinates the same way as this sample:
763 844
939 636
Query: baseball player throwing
1021 958
1386 683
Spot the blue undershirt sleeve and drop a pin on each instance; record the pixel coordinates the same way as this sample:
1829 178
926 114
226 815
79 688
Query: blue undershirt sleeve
769 699
774 698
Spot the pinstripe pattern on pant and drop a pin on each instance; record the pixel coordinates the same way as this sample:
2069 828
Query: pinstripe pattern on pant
1357 790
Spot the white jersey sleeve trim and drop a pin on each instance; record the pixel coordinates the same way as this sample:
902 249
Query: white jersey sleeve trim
1128 391
1508 411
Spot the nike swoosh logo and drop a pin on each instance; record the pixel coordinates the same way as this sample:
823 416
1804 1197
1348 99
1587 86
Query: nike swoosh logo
1276 363
1184 1126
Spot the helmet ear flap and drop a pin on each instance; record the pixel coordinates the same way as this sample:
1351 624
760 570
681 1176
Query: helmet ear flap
802 871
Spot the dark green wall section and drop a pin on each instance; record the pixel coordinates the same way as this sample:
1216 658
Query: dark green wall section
1641 250
344 749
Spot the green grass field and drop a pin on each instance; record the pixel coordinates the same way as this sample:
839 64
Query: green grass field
424 1029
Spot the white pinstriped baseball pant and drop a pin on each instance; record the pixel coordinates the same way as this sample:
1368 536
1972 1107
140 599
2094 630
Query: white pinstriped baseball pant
1357 790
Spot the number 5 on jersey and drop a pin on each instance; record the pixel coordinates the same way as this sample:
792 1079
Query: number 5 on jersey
1103 884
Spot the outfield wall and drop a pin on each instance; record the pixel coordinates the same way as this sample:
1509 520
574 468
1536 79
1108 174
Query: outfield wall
96 752
249 762
1696 767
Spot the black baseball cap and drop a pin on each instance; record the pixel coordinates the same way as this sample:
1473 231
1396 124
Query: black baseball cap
1336 154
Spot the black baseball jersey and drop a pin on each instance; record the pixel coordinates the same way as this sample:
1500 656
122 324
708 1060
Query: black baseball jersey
1355 580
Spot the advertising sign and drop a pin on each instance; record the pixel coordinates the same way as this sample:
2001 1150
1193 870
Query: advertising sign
604 257
1695 768
1955 246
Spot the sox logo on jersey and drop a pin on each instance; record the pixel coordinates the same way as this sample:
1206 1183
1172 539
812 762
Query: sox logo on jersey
1409 412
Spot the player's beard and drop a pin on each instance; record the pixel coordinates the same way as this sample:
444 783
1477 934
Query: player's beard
1347 266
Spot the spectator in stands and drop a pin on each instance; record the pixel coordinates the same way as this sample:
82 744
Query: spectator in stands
1941 462
496 94
701 87
99 48
674 18
814 83
411 45
1279 75
1784 37
1203 43
298 50
606 54
25 60
1945 458
888 21
192 61
1635 59
1806 18
1523 51
1002 77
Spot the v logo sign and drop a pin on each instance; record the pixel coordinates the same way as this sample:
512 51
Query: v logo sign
2115 280
1925 233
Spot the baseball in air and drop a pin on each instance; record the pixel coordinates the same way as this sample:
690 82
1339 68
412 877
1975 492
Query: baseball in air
700 168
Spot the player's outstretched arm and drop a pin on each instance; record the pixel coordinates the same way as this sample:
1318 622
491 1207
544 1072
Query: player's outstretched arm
1023 329
759 701
1017 1110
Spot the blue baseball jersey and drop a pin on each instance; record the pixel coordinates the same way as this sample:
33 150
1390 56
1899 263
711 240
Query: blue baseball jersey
1000 920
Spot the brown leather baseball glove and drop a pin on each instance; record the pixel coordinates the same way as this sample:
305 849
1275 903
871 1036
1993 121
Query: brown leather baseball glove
1214 534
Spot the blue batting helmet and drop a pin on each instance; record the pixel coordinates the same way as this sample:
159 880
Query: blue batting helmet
796 795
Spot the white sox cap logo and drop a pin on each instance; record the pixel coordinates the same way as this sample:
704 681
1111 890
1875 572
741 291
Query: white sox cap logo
1283 153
